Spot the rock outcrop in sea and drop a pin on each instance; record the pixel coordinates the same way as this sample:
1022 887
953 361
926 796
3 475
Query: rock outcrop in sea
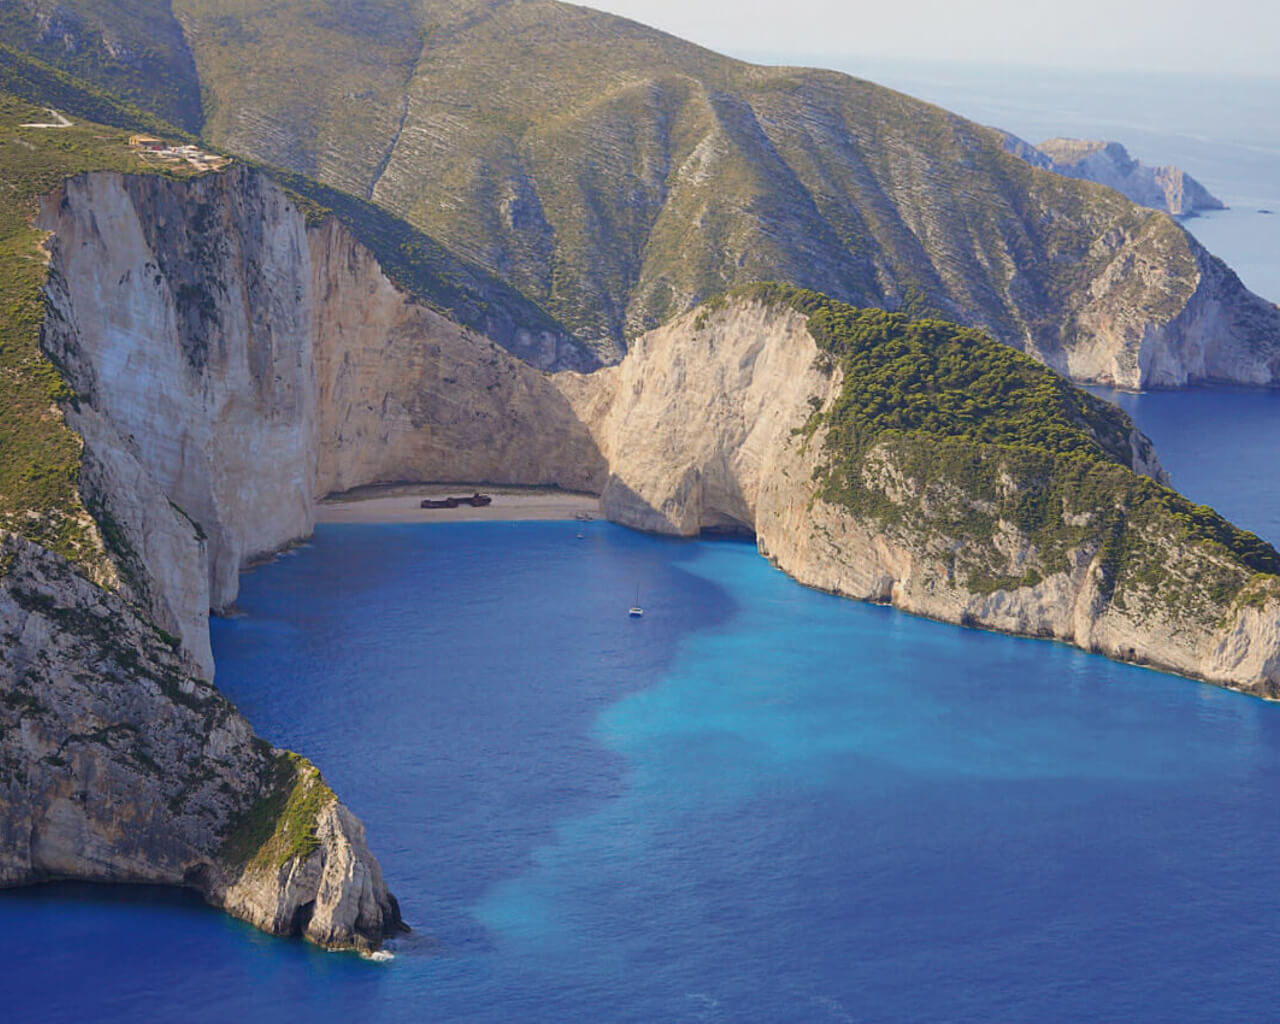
1166 188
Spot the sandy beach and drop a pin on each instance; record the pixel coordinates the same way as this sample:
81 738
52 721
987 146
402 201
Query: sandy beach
400 504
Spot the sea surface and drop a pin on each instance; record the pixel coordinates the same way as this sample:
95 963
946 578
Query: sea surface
757 803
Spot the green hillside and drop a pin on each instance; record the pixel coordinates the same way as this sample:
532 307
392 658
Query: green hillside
616 176
134 49
980 437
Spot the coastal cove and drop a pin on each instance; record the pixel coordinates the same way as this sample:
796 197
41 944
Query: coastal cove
759 800
798 625
402 504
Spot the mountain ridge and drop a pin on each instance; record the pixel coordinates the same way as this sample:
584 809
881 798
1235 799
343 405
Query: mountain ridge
617 176
423 267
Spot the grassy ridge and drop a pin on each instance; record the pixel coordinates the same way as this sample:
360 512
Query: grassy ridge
26 77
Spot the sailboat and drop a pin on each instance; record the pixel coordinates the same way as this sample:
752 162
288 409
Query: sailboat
635 611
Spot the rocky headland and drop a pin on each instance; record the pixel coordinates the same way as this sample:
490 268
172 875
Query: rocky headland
1108 163
778 412
1165 188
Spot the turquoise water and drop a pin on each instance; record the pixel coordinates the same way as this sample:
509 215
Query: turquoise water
756 803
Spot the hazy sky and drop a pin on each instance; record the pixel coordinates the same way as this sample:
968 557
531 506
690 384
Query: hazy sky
1221 36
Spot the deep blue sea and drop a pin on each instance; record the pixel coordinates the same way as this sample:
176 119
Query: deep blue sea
757 803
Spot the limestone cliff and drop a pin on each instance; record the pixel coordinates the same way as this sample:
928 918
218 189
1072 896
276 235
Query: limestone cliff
1108 163
119 762
719 418
1165 188
229 366
405 394
250 365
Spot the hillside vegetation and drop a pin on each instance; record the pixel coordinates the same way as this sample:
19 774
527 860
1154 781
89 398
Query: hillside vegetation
617 176
135 49
979 436
614 176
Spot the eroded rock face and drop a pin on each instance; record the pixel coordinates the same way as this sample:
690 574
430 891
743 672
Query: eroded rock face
404 394
119 762
249 365
333 894
1218 333
704 424
1108 163
178 315
230 367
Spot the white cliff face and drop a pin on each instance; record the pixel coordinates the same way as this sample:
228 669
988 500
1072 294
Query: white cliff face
333 895
1108 163
178 316
697 423
406 395
704 424
251 366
